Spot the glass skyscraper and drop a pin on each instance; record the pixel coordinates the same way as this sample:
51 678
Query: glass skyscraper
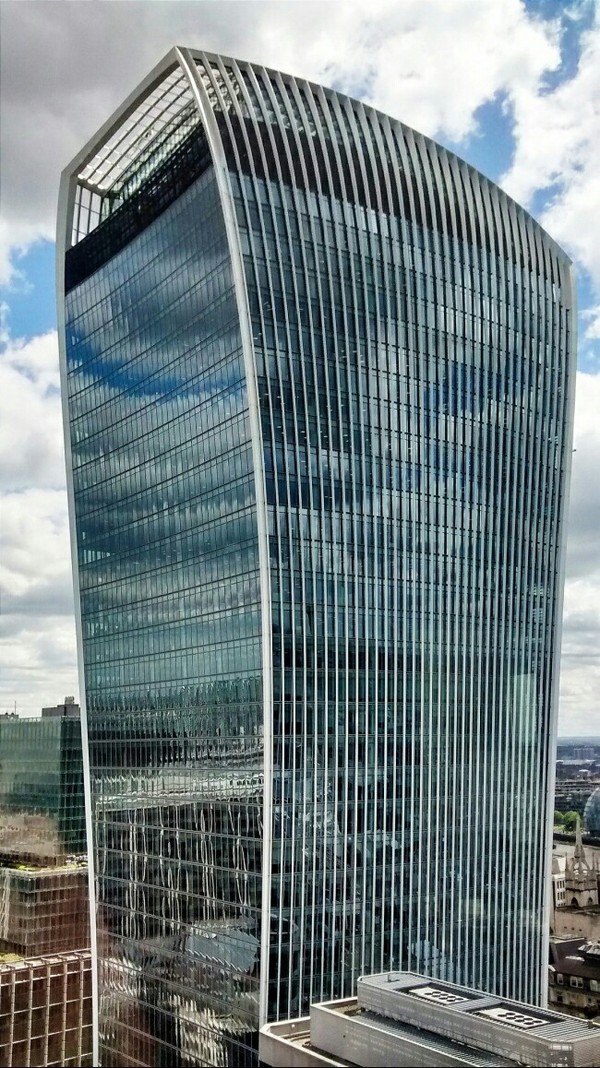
318 392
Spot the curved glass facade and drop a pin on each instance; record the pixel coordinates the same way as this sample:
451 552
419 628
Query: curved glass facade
318 388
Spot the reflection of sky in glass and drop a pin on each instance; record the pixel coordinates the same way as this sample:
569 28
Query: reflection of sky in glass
168 564
161 454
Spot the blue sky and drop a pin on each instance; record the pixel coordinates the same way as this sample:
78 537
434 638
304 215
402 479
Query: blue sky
30 299
512 87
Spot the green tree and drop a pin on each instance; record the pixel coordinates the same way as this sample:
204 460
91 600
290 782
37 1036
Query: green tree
570 821
559 819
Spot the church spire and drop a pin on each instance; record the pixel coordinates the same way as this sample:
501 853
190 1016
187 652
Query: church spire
580 863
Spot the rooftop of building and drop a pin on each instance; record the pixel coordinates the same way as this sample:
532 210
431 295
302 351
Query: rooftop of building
435 1044
417 1020
576 956
16 961
40 866
455 999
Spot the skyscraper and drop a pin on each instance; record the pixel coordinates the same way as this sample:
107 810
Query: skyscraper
317 379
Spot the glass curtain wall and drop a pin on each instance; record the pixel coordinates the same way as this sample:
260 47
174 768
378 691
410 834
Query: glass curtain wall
406 330
410 343
168 566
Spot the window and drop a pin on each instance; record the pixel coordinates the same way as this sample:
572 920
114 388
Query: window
576 981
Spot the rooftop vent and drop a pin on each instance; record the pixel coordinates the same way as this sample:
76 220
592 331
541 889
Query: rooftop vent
510 1017
440 996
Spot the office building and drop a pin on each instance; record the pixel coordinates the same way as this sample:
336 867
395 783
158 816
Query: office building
46 1010
42 807
408 1019
68 708
44 909
591 815
317 375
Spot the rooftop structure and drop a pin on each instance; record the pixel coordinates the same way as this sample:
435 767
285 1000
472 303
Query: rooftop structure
410 1019
45 959
68 708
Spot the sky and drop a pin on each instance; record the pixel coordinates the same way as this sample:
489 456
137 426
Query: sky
512 86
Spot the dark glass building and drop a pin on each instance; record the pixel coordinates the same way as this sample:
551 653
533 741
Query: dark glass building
317 380
42 807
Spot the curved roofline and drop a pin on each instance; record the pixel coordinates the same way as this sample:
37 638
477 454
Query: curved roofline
176 57
142 90
197 53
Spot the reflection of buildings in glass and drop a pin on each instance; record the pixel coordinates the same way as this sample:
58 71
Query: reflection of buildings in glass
43 909
317 375
179 884
42 809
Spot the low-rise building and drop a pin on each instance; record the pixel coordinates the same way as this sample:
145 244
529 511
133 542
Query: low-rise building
575 891
41 786
68 708
574 977
409 1019
44 909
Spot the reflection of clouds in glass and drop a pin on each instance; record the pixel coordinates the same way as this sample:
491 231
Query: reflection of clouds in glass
162 461
197 443
117 327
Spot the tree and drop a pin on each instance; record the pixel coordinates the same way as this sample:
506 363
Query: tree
559 819
570 821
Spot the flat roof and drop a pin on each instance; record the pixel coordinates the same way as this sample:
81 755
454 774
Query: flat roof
544 1023
418 1036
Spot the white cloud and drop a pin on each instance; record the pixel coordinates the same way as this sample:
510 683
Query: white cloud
434 64
557 137
431 63
37 634
580 670
31 449
38 663
592 317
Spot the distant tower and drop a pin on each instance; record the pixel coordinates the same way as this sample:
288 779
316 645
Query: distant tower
591 813
581 879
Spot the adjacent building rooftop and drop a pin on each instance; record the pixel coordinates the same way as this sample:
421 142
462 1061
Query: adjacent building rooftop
409 1019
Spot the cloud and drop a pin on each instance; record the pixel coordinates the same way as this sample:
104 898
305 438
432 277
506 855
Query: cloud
584 515
31 449
580 670
434 64
557 135
67 66
38 661
37 634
